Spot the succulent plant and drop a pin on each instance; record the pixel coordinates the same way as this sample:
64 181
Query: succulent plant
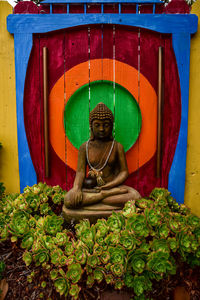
74 272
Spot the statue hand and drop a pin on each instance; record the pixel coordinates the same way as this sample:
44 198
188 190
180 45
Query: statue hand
73 198
106 187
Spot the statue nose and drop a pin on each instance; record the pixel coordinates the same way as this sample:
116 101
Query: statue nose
101 128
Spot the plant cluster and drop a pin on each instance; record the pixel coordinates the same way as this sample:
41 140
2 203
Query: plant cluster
133 248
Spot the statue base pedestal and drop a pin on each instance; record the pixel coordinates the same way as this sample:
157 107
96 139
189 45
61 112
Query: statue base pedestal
93 212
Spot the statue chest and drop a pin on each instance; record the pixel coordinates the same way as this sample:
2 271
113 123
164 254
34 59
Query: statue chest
100 156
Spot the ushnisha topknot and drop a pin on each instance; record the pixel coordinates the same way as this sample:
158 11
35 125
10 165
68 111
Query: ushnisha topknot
101 112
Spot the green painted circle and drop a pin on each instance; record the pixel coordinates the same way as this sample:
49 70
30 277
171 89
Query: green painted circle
128 118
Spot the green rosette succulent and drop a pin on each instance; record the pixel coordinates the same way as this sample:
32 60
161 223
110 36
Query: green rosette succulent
160 245
138 261
197 233
117 254
33 201
118 284
82 226
184 209
28 240
53 224
69 248
57 198
163 230
109 278
41 256
27 258
117 270
127 240
93 260
19 225
90 280
74 291
63 260
45 209
153 217
53 274
185 241
129 209
159 262
129 279
105 257
193 220
32 222
101 228
48 242
174 225
3 228
143 203
173 244
81 255
145 247
61 286
58 189
137 225
100 241
87 237
141 284
56 256
99 274
61 239
97 249
116 222
74 272
112 239
159 193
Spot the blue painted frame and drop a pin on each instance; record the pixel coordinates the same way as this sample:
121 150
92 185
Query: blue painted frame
180 26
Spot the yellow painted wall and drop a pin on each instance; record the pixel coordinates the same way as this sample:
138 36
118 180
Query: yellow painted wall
192 189
9 170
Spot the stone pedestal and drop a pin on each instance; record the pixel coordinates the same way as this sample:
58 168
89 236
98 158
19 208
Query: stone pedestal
93 212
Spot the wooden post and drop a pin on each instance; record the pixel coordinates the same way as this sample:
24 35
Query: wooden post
46 127
159 124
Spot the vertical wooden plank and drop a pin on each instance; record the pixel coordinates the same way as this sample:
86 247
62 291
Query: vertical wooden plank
192 193
176 184
23 46
9 169
46 110
159 127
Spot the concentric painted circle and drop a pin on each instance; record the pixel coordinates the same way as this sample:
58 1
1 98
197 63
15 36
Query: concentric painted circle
126 76
126 112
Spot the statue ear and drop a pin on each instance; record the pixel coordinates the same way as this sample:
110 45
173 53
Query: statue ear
91 134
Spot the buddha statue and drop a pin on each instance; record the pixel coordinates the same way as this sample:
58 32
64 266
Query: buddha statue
101 169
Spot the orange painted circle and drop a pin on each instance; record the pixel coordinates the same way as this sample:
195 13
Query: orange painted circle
125 75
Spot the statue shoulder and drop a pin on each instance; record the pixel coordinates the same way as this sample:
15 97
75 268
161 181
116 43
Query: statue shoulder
83 147
119 146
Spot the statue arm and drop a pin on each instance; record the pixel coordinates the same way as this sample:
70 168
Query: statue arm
81 167
123 174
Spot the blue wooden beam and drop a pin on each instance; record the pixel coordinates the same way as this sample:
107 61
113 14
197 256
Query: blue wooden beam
48 22
176 182
23 45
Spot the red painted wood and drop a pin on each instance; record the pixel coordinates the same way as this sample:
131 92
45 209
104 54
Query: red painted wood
26 7
177 6
73 45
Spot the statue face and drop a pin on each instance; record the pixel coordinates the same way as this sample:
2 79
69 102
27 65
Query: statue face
102 129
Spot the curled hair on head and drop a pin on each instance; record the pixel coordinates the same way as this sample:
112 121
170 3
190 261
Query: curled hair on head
100 112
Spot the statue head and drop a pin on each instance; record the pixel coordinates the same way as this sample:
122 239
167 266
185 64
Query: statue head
101 115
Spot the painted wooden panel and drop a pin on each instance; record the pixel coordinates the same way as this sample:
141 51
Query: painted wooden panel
23 46
49 22
9 170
